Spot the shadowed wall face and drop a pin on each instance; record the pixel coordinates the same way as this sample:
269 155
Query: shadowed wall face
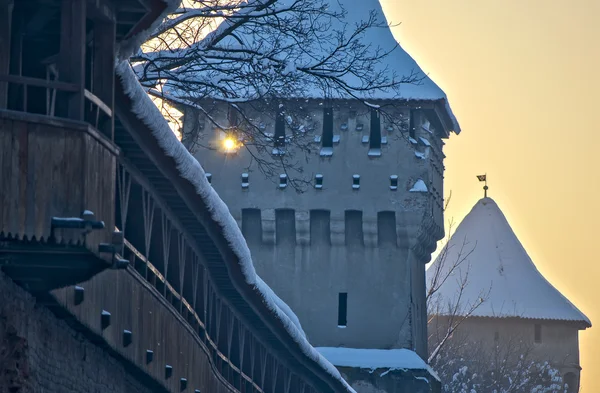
555 342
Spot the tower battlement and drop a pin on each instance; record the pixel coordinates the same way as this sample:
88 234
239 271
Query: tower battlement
375 160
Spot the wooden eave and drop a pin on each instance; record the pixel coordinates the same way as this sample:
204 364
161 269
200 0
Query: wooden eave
139 146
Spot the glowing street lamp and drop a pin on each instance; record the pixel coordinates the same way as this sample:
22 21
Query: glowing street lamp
230 145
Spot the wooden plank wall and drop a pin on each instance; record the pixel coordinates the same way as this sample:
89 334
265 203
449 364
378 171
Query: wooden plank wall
155 325
53 169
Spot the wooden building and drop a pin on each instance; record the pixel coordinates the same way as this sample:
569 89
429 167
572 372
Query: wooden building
111 224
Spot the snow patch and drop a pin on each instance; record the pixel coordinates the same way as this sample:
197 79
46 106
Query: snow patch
373 359
419 186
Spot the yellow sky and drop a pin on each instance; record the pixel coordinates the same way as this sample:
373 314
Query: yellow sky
523 78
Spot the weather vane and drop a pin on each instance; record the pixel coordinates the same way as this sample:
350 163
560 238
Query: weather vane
485 188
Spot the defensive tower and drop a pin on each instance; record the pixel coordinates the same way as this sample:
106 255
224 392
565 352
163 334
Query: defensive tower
348 253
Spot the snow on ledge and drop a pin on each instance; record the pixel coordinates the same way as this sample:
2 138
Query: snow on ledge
373 359
190 169
419 186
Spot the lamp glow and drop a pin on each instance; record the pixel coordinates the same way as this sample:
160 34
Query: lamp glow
229 144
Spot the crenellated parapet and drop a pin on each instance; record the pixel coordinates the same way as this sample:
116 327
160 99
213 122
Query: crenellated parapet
350 228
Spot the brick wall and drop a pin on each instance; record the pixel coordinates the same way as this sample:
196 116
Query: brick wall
39 353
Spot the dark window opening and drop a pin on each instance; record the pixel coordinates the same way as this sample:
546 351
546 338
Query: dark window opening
394 182
353 228
279 137
283 181
327 139
375 137
355 182
537 333
386 229
411 125
343 309
319 181
496 336
245 180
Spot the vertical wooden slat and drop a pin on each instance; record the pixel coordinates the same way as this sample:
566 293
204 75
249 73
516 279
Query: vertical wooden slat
6 168
218 309
104 56
166 247
182 253
19 142
230 327
263 366
195 278
6 9
148 214
72 52
274 374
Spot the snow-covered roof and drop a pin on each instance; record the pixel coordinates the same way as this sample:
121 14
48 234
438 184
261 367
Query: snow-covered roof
396 61
190 169
372 359
499 265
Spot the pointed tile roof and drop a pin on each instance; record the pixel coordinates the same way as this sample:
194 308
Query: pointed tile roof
499 268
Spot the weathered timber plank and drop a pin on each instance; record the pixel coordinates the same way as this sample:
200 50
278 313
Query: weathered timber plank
5 155
21 185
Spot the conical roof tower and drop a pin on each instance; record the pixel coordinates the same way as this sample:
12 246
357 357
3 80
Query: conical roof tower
499 268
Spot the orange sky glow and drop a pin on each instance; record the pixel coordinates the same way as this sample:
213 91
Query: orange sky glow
523 78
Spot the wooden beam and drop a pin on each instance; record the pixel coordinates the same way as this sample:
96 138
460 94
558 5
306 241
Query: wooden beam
6 9
104 70
102 10
72 53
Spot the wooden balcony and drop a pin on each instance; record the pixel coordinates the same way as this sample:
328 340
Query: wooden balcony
52 172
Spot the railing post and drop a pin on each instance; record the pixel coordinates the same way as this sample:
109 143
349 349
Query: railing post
72 52
6 8
104 72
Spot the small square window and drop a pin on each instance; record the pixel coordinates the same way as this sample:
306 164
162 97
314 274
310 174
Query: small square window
319 181
537 333
245 181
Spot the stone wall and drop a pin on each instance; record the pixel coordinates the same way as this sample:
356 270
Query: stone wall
41 353
559 343
369 239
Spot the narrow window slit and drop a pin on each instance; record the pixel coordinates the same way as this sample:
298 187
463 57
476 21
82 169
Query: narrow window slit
327 138
279 137
209 177
245 180
342 310
375 134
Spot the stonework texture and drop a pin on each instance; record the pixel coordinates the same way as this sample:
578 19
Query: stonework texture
368 241
40 353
